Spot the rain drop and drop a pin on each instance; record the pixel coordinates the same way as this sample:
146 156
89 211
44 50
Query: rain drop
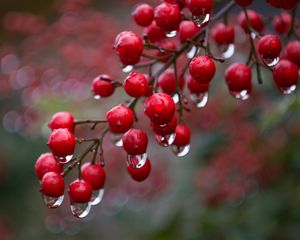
171 34
116 139
97 196
200 100
80 210
175 98
165 140
127 69
52 202
200 20
271 62
288 90
228 51
181 151
64 159
137 161
191 53
242 95
97 97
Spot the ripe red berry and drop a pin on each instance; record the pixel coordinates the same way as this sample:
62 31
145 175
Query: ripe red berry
167 16
183 135
195 87
282 23
53 185
166 50
169 128
136 84
46 163
94 175
129 47
62 120
199 7
269 46
80 191
154 33
223 34
286 4
244 3
140 174
285 75
255 21
135 141
202 69
61 142
160 108
167 81
292 52
238 78
103 86
143 15
120 118
181 3
187 30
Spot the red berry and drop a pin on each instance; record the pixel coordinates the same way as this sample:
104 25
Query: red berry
286 4
167 82
187 30
94 175
183 135
292 52
200 7
202 69
140 174
244 3
166 49
285 74
195 87
62 120
120 118
46 163
143 15
154 33
135 141
129 47
160 108
135 84
223 34
269 46
61 142
275 3
103 86
169 128
282 23
167 16
80 191
238 78
255 21
53 185
180 3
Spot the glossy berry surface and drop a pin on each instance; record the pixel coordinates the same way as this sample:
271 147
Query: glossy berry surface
238 77
167 82
167 16
166 49
286 4
269 46
61 142
292 52
80 191
140 174
202 69
46 163
135 141
53 185
62 120
129 47
103 86
160 108
183 135
169 128
94 175
244 3
154 33
120 118
195 87
187 30
199 7
135 84
285 74
282 23
255 21
143 15
222 34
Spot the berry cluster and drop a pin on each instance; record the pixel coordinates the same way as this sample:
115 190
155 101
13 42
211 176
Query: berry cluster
175 49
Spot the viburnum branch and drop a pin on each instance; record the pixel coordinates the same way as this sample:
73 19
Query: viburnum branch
89 122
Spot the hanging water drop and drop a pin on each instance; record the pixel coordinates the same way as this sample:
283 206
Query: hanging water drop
228 51
253 35
80 210
97 196
165 140
242 95
116 139
127 69
181 151
171 34
271 62
288 90
137 161
200 100
191 53
52 202
200 20
175 98
64 159
97 97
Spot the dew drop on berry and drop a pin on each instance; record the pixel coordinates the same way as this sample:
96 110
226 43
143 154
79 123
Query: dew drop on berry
165 140
242 95
175 97
228 51
127 69
288 90
171 34
200 20
97 196
181 151
137 161
253 35
271 62
200 100
52 202
97 97
191 53
64 159
80 210
116 139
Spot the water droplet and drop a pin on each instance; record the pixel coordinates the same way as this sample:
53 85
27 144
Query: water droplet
191 53
127 69
200 99
64 159
137 161
80 210
181 151
116 139
165 140
200 20
97 97
175 98
228 51
242 95
53 202
253 35
171 34
97 196
271 62
288 90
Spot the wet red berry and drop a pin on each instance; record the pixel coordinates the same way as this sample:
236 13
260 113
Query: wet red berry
93 174
46 163
169 128
222 34
143 15
244 3
103 86
154 33
269 46
292 52
202 69
282 23
200 7
183 135
187 30
195 87
136 84
255 21
140 174
135 141
167 16
120 118
167 82
61 142
62 120
80 191
167 48
53 185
